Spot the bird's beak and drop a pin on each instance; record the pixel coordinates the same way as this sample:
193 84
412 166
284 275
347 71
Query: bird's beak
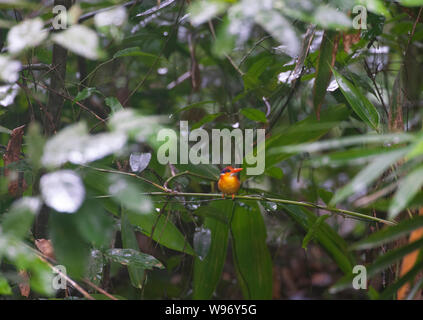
236 170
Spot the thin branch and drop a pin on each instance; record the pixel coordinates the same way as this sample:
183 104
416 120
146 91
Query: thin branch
172 193
186 173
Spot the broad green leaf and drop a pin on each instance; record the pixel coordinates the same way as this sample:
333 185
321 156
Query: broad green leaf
323 70
207 272
254 114
162 230
70 248
85 94
94 224
335 246
312 231
389 234
202 242
4 286
129 241
358 101
370 173
250 253
412 3
18 220
407 189
131 257
114 104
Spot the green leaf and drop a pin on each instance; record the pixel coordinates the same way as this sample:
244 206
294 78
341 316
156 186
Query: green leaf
161 229
131 257
35 144
4 286
325 235
370 173
408 187
312 231
85 94
358 101
307 130
129 241
18 220
274 172
251 255
254 114
114 104
412 3
70 248
389 234
145 57
207 272
206 119
95 224
381 263
323 69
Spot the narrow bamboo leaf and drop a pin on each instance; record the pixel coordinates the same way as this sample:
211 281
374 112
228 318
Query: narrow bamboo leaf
390 291
307 130
326 60
129 241
370 173
206 119
207 272
250 252
358 101
312 231
325 235
389 234
407 189
162 230
254 114
131 257
381 263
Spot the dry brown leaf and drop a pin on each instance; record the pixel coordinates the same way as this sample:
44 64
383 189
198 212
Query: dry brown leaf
12 154
46 248
24 287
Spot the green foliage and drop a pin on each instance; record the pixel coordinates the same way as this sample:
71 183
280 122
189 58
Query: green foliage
343 128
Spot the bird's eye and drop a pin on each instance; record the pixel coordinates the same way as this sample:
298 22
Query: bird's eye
225 170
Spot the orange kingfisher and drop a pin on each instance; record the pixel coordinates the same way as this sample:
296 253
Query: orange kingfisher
228 181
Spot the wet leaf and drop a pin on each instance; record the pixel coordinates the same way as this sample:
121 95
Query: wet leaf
139 161
62 190
75 145
27 34
131 257
358 101
80 40
202 242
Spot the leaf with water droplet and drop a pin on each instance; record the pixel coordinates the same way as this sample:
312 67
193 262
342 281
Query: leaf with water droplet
202 242
139 161
131 257
62 190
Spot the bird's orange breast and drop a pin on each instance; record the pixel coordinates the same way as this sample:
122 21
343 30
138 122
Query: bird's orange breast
228 184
